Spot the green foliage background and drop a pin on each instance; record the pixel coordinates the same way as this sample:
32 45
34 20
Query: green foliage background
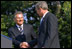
63 13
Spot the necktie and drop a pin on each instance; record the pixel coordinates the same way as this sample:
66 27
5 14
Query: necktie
41 20
21 30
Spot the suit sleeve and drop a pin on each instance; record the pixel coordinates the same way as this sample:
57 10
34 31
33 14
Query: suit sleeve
34 38
33 34
11 35
33 42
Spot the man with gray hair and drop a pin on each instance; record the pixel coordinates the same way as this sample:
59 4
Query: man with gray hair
48 30
21 32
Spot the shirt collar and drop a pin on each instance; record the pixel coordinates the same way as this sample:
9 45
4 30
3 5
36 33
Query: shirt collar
43 17
19 26
45 14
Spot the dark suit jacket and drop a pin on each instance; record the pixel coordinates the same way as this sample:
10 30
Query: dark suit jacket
48 33
16 36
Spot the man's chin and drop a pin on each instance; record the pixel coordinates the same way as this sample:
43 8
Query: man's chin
20 24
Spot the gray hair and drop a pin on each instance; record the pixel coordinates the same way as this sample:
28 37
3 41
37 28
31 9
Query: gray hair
42 4
17 12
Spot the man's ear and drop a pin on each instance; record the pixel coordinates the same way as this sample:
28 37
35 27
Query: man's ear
40 9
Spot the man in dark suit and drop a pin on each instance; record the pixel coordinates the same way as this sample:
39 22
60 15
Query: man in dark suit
48 30
21 33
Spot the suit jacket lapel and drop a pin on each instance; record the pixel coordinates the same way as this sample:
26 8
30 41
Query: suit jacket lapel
45 17
16 29
42 23
24 29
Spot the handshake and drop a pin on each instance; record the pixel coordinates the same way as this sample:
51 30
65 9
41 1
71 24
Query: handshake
24 45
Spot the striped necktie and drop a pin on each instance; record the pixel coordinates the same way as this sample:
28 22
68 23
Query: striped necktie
21 30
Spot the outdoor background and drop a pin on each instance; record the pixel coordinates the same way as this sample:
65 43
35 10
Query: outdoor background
62 9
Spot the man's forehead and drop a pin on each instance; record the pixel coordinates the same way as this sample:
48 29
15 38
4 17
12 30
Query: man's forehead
19 15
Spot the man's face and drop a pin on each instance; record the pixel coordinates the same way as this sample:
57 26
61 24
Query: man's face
39 12
19 19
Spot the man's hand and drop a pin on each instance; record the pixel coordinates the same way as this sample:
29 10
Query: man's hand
24 45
